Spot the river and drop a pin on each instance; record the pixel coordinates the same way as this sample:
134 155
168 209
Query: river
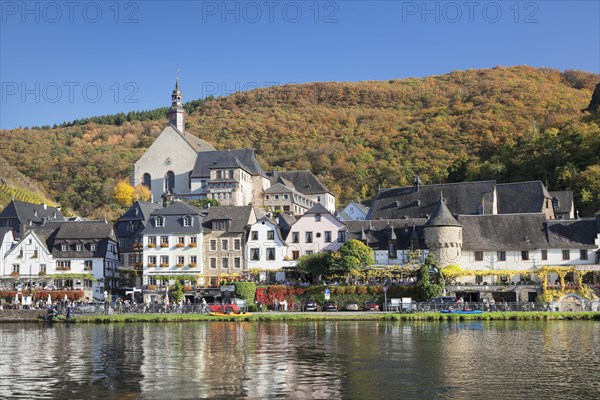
330 360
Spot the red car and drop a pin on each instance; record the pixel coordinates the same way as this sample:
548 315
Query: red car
371 305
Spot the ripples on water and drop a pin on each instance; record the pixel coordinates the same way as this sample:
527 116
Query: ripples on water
355 360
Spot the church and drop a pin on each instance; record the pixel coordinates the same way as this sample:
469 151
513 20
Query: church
183 166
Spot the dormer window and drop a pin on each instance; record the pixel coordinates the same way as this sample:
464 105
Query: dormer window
79 247
130 227
187 221
93 246
35 213
317 217
63 247
554 202
159 222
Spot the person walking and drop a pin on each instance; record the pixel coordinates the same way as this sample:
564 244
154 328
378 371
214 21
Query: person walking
275 305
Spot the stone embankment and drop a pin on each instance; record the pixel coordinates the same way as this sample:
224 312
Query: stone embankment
21 315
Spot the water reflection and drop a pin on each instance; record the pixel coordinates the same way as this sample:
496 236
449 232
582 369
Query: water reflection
341 359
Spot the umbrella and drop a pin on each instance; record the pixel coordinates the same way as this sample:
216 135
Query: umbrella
167 297
66 297
49 299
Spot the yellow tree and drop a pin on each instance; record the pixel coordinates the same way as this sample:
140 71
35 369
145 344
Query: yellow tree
123 194
141 193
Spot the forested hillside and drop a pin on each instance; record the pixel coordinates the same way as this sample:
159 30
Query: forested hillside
509 124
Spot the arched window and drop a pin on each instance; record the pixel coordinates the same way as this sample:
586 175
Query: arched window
147 181
170 182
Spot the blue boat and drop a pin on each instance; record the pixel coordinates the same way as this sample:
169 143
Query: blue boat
462 312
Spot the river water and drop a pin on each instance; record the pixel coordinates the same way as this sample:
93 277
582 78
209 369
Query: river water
311 360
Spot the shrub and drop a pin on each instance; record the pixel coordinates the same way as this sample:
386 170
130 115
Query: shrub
246 290
361 290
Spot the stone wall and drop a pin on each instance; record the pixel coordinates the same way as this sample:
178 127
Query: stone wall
21 315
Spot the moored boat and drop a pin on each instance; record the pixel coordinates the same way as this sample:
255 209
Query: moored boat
219 314
462 312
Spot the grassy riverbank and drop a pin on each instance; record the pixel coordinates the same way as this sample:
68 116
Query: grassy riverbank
495 316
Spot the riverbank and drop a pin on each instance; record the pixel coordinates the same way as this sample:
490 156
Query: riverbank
343 316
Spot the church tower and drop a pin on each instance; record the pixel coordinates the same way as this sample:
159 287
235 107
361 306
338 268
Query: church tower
177 112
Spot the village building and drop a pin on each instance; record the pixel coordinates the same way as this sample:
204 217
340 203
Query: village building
225 236
21 216
354 211
295 192
266 249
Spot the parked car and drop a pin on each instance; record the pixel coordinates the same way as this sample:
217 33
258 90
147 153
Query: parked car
444 300
371 305
330 305
310 305
351 307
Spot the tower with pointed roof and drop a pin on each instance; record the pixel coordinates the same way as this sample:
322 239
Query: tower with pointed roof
443 235
177 112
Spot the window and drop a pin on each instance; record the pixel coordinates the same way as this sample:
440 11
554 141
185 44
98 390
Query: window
220 225
193 240
213 263
164 240
295 237
255 254
327 236
152 260
285 196
219 174
42 268
87 265
180 259
187 221
193 259
236 244
341 236
525 255
224 263
479 256
63 247
309 252
270 235
237 263
35 253
392 250
230 174
317 217
181 240
295 254
158 222
254 235
63 265
130 227
203 184
131 259
170 182
147 181
93 247
213 245
271 253
544 255
566 254
276 197
164 260
225 244
309 237
501 255
15 268
583 254
152 240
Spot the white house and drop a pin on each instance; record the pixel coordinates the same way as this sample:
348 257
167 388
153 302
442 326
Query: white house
172 243
306 188
354 211
316 231
265 248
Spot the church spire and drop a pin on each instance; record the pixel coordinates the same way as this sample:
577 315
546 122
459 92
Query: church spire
177 112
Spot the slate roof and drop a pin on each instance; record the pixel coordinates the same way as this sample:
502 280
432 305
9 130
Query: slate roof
442 216
240 158
144 208
408 202
29 211
239 217
196 143
504 231
85 230
521 197
572 234
302 181
318 209
565 201
279 188
379 232
173 216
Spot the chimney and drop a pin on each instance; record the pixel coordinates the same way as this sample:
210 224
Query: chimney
45 206
417 183
43 221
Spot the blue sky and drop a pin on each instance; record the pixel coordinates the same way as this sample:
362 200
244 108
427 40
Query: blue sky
62 61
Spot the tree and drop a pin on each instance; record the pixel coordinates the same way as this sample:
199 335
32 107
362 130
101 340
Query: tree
315 265
204 203
425 288
123 194
142 193
177 292
352 256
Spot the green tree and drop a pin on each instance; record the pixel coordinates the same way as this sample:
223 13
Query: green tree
315 265
177 292
204 203
426 289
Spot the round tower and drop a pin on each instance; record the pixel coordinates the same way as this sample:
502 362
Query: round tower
443 235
